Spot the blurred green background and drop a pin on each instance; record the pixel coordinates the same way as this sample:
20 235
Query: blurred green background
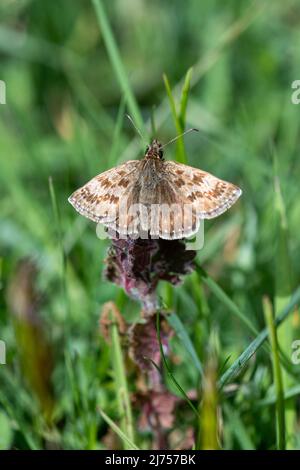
63 123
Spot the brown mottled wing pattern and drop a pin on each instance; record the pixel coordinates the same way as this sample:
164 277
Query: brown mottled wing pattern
99 199
161 207
175 219
165 198
209 196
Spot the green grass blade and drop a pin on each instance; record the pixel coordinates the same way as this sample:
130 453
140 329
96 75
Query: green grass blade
208 422
269 318
153 123
238 428
72 383
122 392
28 47
55 209
223 297
117 133
181 155
127 442
207 61
182 334
168 296
283 288
169 372
270 400
57 223
234 370
184 98
117 64
25 429
171 102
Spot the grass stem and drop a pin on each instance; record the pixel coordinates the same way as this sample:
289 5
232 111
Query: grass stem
269 317
117 64
122 392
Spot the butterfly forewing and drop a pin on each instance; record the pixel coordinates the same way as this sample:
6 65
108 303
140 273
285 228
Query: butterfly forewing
209 195
99 198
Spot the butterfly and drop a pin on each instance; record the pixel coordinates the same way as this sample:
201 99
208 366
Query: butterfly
153 196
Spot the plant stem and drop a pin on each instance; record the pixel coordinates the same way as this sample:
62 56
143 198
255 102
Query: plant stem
117 64
121 386
269 317
234 370
166 365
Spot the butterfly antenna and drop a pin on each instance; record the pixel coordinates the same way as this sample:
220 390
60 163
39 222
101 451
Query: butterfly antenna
180 135
136 128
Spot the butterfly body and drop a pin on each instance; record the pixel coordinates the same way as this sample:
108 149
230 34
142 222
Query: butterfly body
164 198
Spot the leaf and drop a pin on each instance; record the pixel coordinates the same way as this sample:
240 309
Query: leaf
208 423
129 444
280 415
234 370
223 297
283 285
238 428
6 432
117 64
184 98
120 377
178 326
166 365
181 155
117 133
270 400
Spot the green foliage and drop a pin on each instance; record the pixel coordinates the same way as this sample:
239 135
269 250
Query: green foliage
72 70
280 416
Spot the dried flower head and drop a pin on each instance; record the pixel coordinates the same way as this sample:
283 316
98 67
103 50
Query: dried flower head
157 409
138 265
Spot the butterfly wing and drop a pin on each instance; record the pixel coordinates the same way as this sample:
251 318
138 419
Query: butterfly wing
167 199
100 198
209 195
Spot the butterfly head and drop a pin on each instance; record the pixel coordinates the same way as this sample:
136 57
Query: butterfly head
154 150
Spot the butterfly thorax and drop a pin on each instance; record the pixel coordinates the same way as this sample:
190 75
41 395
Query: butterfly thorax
154 150
151 172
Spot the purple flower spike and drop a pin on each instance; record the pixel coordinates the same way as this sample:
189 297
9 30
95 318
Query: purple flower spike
138 265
